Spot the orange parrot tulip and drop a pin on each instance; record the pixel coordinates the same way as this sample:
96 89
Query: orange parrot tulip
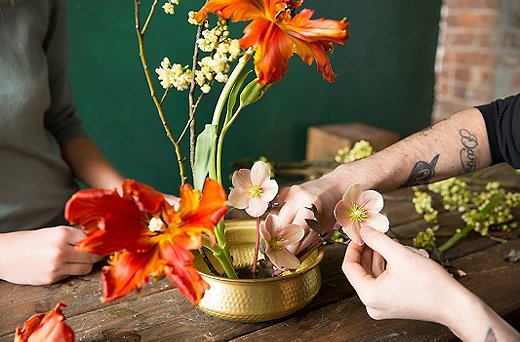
277 32
146 235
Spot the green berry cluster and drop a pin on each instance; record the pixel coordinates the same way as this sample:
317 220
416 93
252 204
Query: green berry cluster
360 150
483 211
423 205
425 239
454 192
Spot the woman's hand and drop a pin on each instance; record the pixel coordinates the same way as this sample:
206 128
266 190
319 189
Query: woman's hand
43 256
395 282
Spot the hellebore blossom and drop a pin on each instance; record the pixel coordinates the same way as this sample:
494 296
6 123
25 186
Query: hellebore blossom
253 189
360 208
277 238
276 32
45 327
146 235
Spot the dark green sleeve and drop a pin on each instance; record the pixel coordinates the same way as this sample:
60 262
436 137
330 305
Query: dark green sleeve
61 119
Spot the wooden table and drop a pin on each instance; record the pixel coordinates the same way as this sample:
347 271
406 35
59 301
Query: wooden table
161 313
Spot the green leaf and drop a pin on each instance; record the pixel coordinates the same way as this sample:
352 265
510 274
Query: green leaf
204 153
232 99
253 92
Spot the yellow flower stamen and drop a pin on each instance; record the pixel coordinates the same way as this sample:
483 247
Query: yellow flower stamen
357 213
254 191
276 243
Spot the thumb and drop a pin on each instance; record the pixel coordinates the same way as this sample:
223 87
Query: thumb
380 242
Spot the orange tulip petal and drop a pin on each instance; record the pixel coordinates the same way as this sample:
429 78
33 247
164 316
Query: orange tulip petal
48 327
236 10
204 215
273 52
112 223
276 35
182 273
128 271
147 198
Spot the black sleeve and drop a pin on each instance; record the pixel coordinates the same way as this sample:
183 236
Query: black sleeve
502 119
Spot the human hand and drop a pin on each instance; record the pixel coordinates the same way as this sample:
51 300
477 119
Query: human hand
324 193
43 256
409 286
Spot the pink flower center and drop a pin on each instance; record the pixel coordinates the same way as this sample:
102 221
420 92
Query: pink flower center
357 213
254 191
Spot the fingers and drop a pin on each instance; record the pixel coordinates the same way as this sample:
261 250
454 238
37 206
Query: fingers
74 235
378 264
77 269
381 243
357 275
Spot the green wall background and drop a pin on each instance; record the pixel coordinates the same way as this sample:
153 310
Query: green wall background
385 79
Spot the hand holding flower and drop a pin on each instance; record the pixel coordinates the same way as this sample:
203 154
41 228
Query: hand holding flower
359 208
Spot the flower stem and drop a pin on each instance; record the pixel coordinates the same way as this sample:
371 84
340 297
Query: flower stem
191 99
480 217
220 107
222 258
157 102
257 246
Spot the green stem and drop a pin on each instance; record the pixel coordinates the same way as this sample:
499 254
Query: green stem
480 217
220 143
222 258
455 238
222 101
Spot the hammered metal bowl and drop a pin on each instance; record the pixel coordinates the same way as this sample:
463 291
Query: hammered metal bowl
257 300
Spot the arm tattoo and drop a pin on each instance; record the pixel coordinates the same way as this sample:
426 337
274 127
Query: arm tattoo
490 336
422 172
468 155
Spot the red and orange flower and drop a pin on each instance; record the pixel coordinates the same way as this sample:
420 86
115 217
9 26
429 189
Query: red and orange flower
45 327
146 235
277 32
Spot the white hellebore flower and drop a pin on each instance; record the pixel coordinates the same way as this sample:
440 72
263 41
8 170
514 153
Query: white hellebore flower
253 189
360 208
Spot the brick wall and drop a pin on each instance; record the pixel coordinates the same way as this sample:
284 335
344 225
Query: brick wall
478 56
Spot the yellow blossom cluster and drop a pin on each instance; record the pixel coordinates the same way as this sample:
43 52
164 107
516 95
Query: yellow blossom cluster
222 50
360 150
169 7
212 68
175 75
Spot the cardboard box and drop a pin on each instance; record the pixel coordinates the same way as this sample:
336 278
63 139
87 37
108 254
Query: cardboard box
325 141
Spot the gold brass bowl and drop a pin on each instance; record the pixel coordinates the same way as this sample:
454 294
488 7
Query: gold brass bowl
257 300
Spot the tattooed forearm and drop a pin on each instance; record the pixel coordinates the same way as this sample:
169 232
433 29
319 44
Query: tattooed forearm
422 172
468 152
490 336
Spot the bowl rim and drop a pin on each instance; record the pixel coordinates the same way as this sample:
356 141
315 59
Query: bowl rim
299 272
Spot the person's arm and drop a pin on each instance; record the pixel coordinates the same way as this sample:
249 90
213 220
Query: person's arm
89 165
411 286
451 147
